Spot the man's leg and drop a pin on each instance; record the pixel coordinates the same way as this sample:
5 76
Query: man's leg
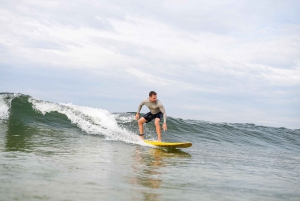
158 129
141 122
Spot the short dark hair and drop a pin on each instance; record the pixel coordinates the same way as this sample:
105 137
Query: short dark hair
151 93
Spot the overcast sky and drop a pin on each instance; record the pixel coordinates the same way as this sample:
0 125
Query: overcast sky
219 60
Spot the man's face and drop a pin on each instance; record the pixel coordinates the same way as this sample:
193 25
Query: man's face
152 98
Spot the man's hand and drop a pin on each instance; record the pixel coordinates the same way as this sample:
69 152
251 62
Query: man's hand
137 116
164 126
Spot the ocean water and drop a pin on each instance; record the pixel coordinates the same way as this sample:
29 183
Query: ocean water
51 151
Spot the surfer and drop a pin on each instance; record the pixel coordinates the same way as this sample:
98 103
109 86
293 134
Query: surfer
157 112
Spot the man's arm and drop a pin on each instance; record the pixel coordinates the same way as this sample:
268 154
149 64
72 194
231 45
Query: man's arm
137 116
140 106
162 109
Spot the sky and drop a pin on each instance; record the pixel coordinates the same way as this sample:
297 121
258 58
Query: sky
218 61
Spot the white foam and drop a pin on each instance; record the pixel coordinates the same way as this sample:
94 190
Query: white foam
90 120
5 104
124 118
4 109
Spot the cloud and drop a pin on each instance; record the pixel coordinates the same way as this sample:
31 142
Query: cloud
74 14
152 79
219 17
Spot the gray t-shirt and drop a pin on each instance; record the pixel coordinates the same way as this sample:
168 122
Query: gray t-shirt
154 108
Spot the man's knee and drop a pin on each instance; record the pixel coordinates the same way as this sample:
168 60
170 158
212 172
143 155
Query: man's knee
141 120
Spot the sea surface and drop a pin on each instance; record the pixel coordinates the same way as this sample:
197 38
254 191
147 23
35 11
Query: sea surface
56 151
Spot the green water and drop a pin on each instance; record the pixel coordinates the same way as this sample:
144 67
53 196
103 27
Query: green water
62 152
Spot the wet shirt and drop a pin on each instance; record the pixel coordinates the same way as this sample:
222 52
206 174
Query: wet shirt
154 108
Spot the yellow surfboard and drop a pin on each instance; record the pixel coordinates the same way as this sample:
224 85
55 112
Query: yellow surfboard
169 144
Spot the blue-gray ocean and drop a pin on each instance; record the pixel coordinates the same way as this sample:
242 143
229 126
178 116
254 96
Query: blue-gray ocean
51 151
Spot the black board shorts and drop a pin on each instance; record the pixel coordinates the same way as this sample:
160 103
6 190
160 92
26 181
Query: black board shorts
149 116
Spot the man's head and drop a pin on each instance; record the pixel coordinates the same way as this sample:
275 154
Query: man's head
152 96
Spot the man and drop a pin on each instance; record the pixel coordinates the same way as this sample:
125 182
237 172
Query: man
157 111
